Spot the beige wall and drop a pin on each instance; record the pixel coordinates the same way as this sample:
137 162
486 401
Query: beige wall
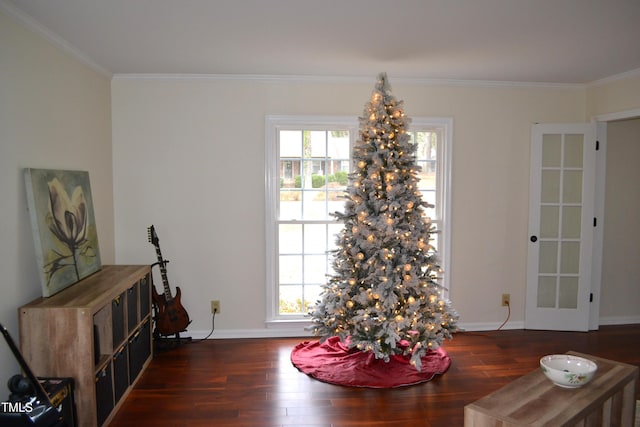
614 95
54 113
189 158
620 297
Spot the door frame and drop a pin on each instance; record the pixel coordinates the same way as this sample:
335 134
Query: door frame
600 192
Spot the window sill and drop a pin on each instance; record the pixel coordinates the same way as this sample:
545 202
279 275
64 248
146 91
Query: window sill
288 323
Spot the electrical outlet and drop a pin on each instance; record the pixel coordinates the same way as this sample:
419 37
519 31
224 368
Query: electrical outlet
506 299
215 307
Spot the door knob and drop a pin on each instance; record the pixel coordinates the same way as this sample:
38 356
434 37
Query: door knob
534 239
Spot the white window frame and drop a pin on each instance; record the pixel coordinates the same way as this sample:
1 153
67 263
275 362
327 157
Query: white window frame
443 186
275 123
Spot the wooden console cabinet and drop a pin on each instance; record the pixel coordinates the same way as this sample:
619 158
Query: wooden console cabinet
97 331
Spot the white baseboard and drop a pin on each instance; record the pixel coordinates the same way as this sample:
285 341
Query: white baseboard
491 326
619 320
292 331
251 333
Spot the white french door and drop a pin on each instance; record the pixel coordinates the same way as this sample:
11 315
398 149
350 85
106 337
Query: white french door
561 224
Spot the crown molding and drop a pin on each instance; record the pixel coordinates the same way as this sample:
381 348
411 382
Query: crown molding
616 77
264 78
274 78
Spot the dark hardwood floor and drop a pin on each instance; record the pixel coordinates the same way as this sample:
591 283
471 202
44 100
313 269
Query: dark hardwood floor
251 382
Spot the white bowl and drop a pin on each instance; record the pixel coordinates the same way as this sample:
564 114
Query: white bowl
568 371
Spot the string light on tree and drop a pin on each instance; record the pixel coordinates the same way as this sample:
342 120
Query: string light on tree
396 307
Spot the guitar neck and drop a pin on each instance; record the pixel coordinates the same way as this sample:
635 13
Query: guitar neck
163 273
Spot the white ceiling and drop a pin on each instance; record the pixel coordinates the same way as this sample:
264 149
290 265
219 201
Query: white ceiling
551 41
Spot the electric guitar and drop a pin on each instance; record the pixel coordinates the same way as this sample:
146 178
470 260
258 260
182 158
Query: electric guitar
171 317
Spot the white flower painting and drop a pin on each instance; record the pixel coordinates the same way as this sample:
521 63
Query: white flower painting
64 230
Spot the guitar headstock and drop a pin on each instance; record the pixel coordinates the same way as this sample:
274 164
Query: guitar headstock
153 237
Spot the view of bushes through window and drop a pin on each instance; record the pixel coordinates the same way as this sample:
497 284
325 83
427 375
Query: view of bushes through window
313 170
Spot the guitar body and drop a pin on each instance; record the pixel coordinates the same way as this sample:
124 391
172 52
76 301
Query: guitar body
172 317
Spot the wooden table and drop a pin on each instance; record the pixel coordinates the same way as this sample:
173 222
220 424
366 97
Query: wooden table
609 399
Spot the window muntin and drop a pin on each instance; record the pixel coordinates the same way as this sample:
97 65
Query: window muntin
308 159
431 141
319 163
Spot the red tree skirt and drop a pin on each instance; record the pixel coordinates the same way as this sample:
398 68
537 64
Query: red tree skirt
333 362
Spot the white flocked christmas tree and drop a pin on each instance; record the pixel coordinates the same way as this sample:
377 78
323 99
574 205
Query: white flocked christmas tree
384 296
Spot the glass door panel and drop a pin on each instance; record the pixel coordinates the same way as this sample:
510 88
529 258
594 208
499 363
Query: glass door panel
560 220
549 221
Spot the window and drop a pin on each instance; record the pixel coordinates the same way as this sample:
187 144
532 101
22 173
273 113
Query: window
307 167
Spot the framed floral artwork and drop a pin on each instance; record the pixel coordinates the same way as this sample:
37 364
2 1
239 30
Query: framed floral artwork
64 228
